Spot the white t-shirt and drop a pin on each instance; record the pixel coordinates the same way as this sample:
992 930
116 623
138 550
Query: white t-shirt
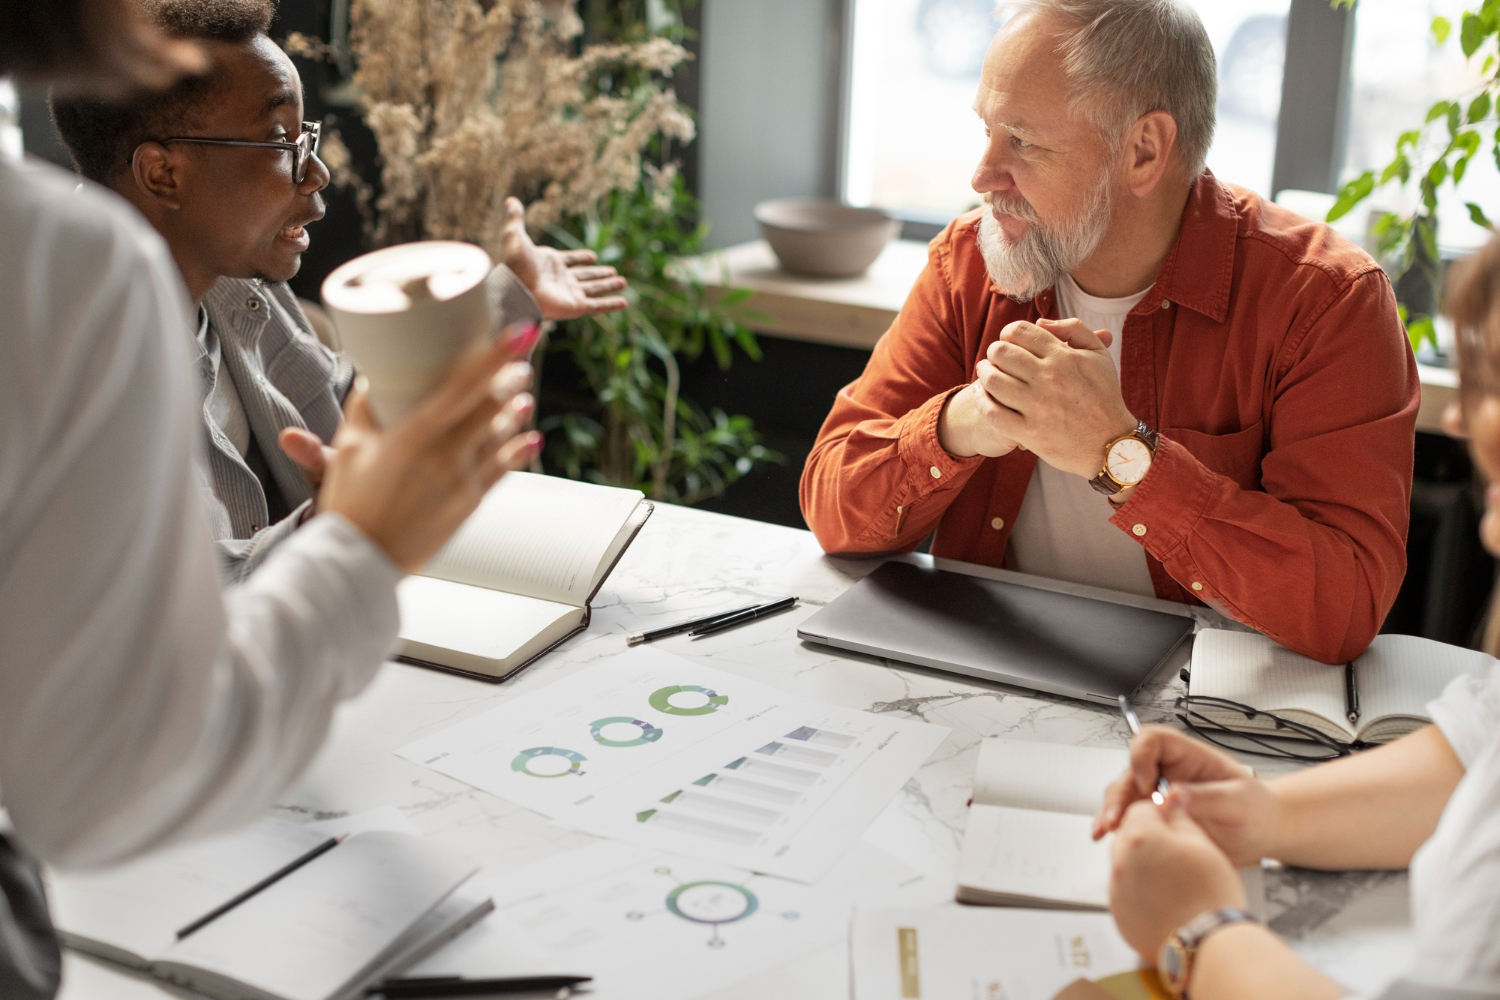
1063 530
1455 876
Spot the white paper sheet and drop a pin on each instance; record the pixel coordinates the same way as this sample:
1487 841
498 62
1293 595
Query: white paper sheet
953 952
649 926
657 750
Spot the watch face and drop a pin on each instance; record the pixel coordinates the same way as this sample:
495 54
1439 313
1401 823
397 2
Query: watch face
1128 461
1171 966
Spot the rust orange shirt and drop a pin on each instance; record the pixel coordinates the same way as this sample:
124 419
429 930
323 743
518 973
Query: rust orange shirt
1270 357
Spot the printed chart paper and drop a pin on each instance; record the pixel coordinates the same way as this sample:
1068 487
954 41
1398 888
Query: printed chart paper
657 750
651 926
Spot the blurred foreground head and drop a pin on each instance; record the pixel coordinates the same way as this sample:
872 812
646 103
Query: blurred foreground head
103 48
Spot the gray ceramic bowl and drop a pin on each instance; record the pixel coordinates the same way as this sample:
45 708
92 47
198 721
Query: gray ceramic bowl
823 238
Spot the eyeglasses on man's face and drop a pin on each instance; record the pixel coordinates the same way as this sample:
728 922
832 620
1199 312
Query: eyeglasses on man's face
303 149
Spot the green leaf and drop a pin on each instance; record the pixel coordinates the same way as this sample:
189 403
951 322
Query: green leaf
1477 214
1399 167
1479 108
1471 34
1421 331
1352 194
1441 28
1437 111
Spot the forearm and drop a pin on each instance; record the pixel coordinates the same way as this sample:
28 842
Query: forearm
1371 810
869 483
1336 574
1248 962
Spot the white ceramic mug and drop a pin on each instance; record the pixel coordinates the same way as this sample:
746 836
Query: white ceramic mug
406 313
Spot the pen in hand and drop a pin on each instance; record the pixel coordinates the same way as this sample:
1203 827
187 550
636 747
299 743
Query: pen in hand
1134 722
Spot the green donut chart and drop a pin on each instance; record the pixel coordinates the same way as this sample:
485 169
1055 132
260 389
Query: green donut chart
649 733
523 760
660 700
712 902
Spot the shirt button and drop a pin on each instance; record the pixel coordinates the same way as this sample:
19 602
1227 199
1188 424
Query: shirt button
1197 585
936 472
998 523
898 508
254 528
1166 303
252 304
1138 530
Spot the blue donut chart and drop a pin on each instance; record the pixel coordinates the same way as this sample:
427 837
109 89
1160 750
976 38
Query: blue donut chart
649 733
523 760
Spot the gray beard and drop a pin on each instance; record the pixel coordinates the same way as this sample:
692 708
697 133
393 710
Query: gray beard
1044 254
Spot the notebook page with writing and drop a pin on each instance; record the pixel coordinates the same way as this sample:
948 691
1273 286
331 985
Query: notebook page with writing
1032 857
1399 674
1048 776
540 536
308 936
132 913
1256 671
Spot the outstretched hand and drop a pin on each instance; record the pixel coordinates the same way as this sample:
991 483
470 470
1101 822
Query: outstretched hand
567 284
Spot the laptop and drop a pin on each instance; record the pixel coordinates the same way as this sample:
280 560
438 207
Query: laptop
1077 647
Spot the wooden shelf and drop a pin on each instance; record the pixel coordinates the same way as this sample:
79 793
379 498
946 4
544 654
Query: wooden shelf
855 312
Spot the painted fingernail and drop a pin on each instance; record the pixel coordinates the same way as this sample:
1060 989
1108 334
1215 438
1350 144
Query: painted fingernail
524 402
526 338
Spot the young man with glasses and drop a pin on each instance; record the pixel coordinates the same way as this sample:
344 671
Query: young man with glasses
224 167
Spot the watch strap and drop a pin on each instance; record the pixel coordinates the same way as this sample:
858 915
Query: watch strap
1104 482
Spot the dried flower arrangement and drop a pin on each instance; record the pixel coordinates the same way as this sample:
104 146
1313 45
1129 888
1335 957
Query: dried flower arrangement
472 101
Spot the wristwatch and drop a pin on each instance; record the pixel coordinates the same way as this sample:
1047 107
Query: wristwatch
1127 460
1174 963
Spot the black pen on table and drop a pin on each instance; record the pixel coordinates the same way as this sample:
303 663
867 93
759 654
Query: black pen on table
661 633
1134 722
260 886
742 617
1351 695
457 986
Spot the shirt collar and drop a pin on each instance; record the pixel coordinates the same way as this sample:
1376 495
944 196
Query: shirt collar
1199 270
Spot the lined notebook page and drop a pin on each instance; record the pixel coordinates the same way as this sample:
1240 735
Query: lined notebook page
540 536
1047 776
308 935
1255 671
1400 674
1039 855
138 908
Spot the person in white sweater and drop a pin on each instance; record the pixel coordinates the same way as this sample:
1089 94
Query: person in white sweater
1429 801
140 703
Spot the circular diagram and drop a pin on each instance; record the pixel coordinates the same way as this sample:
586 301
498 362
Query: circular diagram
661 700
712 902
648 733
548 768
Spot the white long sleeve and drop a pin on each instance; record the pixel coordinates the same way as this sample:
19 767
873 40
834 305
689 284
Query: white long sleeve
139 703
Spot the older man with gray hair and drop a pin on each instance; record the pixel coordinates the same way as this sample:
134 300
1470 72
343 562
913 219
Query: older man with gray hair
1126 373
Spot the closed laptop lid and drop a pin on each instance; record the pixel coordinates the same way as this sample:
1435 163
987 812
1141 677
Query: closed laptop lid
1078 647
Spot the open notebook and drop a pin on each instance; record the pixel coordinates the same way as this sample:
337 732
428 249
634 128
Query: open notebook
370 906
1029 841
1394 680
518 577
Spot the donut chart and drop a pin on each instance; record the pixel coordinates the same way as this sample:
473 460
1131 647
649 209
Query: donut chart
523 760
712 902
649 733
659 700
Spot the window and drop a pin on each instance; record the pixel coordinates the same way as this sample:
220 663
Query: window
1398 72
913 141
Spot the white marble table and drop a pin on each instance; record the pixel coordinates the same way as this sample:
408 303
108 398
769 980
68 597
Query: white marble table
688 563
